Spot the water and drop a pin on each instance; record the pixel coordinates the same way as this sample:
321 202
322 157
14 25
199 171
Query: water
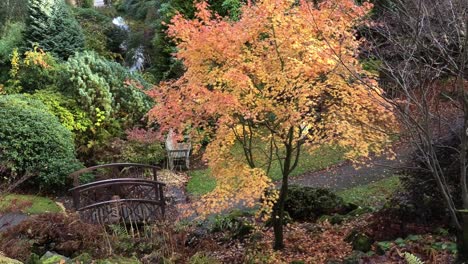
120 22
137 62
99 3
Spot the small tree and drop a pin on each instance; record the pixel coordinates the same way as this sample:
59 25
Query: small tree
53 28
269 77
420 43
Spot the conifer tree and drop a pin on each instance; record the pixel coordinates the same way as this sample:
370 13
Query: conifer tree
52 27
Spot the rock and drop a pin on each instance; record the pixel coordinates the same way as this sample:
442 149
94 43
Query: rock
5 260
9 220
54 258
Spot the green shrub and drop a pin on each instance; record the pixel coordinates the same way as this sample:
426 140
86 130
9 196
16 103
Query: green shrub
100 84
307 203
65 109
108 93
34 143
137 152
37 70
236 223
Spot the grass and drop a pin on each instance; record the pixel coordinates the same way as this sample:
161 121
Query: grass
321 158
371 195
201 181
29 204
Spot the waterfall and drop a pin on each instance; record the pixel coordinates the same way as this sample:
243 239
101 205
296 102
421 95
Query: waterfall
137 62
99 3
138 59
120 22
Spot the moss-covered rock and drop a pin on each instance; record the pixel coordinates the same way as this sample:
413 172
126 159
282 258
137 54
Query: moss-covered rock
5 260
54 258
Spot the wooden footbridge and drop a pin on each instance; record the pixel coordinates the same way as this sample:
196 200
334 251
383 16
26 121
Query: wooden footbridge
120 193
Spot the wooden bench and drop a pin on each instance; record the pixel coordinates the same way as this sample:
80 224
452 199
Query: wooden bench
176 151
126 193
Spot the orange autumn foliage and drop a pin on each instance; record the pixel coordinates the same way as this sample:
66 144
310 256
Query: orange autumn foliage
281 74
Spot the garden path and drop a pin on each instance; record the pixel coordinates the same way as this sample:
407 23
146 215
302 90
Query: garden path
345 175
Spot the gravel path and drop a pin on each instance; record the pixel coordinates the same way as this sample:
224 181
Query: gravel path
345 175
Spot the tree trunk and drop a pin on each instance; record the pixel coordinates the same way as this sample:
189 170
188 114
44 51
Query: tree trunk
278 215
462 239
278 209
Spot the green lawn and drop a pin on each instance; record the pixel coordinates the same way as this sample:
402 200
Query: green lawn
201 182
29 204
371 195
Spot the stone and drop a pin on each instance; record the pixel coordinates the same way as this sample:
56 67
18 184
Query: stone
6 260
54 258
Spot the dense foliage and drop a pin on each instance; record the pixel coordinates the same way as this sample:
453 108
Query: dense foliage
108 93
10 38
51 25
66 109
31 71
99 32
307 203
12 11
33 143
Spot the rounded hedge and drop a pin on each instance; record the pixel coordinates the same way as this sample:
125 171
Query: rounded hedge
308 203
34 143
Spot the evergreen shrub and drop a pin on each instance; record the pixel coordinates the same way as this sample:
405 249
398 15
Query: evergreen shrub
34 143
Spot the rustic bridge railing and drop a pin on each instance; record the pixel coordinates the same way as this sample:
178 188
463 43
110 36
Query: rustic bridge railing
122 193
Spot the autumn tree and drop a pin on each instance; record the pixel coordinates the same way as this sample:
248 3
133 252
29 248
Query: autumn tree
274 84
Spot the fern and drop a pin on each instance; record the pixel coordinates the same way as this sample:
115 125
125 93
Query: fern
412 259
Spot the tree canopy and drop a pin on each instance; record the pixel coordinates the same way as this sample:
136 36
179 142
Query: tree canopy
278 74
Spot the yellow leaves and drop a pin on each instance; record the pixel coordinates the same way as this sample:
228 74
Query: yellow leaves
268 200
237 185
279 67
36 57
15 64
